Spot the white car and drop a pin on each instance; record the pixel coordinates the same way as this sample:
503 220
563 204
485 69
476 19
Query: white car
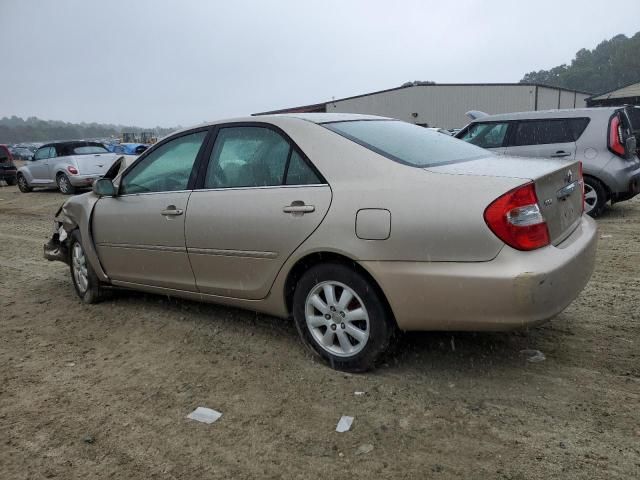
67 165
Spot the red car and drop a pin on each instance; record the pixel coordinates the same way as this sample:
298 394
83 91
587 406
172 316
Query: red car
7 167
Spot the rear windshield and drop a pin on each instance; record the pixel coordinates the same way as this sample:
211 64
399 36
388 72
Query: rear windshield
407 143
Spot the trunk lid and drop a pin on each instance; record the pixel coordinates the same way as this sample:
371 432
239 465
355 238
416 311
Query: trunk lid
557 185
94 163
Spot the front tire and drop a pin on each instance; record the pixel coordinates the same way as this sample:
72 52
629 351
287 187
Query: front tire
595 196
23 185
85 280
64 184
341 317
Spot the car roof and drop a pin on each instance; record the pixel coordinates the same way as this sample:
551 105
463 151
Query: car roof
556 113
317 118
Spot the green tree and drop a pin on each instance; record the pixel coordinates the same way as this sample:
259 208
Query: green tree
612 64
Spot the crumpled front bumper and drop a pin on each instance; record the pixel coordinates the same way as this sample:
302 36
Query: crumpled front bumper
56 249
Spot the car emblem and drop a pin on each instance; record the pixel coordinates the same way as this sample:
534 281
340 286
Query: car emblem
568 178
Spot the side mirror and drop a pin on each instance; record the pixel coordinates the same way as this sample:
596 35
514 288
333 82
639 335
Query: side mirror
104 187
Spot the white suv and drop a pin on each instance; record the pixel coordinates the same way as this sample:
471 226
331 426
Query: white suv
603 139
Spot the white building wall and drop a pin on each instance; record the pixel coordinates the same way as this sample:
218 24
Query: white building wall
445 105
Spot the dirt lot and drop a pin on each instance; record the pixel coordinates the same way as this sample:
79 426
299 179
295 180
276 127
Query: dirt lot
102 391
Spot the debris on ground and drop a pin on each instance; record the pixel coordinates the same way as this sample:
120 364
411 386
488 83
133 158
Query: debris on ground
204 415
344 425
358 394
89 439
533 356
362 449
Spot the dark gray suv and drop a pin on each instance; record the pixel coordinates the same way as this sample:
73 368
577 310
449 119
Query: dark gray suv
604 139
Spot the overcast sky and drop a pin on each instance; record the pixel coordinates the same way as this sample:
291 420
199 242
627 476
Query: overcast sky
166 62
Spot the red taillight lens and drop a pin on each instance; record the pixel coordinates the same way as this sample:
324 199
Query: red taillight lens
615 136
72 170
516 219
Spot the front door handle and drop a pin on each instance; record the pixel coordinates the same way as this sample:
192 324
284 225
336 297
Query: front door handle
171 211
298 208
560 154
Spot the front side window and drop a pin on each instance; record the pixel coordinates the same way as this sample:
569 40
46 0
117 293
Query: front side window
44 152
165 169
247 157
406 143
486 135
541 132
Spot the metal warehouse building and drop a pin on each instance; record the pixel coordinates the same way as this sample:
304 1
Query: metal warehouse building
444 105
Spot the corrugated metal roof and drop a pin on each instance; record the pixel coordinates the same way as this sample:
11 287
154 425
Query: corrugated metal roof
632 90
314 107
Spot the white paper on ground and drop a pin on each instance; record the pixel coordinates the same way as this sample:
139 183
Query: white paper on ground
344 424
204 415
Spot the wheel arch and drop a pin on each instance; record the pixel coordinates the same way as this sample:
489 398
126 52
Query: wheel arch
312 259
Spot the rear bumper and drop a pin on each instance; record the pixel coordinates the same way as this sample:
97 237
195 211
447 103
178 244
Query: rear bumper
55 250
83 180
8 173
632 190
514 290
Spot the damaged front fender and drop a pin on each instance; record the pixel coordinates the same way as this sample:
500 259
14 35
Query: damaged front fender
75 213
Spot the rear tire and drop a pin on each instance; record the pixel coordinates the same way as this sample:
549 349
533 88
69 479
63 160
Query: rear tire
23 185
64 184
85 281
595 196
341 317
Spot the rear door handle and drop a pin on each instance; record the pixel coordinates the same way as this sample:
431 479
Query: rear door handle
171 211
299 208
560 154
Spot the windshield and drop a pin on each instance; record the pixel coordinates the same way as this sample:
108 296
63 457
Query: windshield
407 143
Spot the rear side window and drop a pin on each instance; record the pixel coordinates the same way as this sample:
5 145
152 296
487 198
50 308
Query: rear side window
486 135
299 173
256 157
540 132
89 149
577 126
406 143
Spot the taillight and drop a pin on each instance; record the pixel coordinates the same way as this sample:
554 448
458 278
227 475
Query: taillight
72 170
615 135
516 219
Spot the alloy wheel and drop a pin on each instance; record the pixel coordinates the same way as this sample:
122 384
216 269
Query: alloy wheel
590 198
63 183
337 318
79 265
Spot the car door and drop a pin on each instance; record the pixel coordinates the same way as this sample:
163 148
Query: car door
139 233
552 138
39 167
260 199
489 135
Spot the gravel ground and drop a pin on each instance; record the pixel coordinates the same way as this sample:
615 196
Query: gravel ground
102 391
